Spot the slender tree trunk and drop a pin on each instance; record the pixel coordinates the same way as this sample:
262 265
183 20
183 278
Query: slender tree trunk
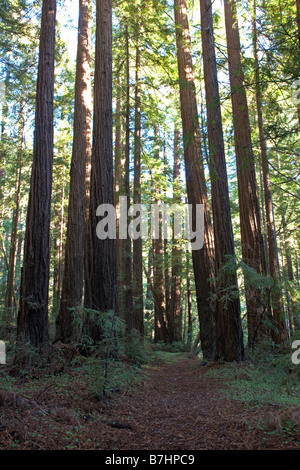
127 259
56 247
72 287
263 212
229 337
5 105
138 321
291 302
33 311
176 302
119 191
160 327
189 302
276 296
203 259
250 220
149 294
10 287
101 279
58 241
166 257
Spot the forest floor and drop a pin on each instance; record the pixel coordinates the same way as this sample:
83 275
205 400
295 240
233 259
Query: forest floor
177 403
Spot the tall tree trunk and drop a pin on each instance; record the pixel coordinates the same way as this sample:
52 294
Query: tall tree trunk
203 259
127 250
101 279
10 287
189 302
276 296
250 220
59 222
72 286
160 326
167 271
33 311
138 321
119 191
229 336
176 302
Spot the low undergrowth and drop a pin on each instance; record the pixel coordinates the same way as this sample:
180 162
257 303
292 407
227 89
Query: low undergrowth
266 382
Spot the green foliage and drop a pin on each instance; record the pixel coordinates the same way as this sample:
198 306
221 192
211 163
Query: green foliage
106 377
265 379
252 279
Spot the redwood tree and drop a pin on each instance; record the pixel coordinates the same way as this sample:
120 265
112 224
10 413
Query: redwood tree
250 220
138 320
203 259
100 293
229 337
72 286
10 287
176 291
33 310
276 297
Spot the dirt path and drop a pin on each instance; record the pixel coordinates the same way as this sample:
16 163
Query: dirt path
180 408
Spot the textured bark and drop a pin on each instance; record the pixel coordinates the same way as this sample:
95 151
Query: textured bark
250 219
229 336
203 260
72 287
138 320
276 296
101 277
33 311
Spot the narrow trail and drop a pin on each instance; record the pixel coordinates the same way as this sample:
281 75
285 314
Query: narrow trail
177 405
181 408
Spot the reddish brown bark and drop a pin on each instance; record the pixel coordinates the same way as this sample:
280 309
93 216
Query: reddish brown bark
72 287
33 311
250 219
100 292
229 337
203 259
276 296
